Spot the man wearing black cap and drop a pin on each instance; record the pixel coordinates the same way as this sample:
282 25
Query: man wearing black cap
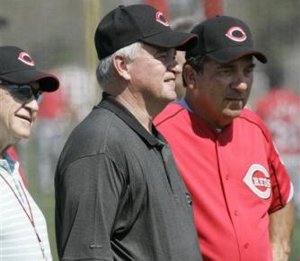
23 229
118 192
240 189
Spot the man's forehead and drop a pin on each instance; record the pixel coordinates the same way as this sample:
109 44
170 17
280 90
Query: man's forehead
243 59
158 50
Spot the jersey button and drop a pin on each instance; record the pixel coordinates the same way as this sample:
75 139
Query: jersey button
246 245
236 213
227 177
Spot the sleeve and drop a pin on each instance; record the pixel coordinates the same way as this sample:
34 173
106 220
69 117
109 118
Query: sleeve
87 196
282 187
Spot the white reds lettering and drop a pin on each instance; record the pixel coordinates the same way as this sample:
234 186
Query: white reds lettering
263 182
257 179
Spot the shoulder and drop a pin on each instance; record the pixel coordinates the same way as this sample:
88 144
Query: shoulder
101 135
171 112
249 119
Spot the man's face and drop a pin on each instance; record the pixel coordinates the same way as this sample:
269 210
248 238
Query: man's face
152 76
222 90
16 116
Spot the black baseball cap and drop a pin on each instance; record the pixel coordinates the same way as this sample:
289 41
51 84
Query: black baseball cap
128 24
224 39
17 66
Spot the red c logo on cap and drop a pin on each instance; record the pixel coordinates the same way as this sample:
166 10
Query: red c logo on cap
236 34
161 19
26 58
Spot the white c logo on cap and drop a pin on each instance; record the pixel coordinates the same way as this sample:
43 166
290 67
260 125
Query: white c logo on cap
26 58
161 19
236 34
258 180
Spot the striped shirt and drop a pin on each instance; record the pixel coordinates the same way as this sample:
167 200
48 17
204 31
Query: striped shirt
23 229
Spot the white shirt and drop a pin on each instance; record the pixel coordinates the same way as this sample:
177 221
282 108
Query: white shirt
23 229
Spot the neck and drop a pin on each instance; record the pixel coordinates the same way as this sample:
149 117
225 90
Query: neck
216 123
137 109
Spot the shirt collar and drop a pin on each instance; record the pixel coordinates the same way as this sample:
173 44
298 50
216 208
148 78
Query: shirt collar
8 163
110 103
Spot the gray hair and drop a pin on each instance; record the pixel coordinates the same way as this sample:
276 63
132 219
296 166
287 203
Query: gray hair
105 72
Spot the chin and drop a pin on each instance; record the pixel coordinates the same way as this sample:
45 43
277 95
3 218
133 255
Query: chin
233 114
23 135
173 95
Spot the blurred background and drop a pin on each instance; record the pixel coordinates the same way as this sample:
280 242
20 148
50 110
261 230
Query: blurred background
60 36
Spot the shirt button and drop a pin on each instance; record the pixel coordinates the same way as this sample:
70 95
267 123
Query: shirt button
227 177
236 213
188 198
246 245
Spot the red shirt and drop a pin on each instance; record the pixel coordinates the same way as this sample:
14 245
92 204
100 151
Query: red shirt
235 178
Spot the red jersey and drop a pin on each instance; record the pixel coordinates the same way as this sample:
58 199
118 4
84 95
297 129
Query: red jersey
235 178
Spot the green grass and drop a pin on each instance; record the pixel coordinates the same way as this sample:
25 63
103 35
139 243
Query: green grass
295 256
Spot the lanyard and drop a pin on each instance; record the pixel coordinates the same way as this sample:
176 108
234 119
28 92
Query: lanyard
30 215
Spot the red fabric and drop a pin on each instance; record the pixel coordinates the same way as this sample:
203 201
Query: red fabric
212 8
52 104
14 155
280 109
161 5
224 172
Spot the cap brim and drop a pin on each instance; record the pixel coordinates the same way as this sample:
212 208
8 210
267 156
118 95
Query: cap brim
230 54
48 82
171 39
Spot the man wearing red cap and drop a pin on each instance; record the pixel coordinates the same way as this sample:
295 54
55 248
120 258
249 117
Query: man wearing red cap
23 229
241 191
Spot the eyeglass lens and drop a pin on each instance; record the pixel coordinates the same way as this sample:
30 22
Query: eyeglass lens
24 92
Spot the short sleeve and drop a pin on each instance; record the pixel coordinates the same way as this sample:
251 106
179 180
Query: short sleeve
282 188
87 195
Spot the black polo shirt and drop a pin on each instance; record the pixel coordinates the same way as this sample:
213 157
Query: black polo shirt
119 195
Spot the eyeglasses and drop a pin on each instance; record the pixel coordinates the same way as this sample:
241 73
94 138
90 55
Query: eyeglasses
22 92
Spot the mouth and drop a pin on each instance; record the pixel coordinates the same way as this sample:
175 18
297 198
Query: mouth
170 80
25 118
235 103
235 98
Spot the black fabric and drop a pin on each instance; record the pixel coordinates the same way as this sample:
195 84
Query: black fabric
119 195
17 66
224 39
128 24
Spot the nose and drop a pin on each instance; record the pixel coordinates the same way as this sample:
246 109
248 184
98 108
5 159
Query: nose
241 86
32 105
240 83
175 67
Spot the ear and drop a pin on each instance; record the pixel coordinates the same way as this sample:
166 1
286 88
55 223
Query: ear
189 76
121 67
